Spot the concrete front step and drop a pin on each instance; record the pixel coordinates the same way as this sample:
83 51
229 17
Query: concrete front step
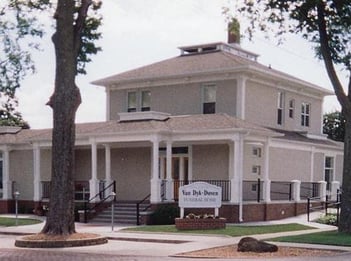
124 213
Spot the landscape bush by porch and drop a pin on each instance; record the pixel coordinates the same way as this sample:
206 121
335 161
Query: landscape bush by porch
165 215
200 222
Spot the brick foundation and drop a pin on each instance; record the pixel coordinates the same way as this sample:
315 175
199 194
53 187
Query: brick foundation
200 223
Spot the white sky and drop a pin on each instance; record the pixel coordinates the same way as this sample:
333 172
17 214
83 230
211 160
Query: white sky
140 32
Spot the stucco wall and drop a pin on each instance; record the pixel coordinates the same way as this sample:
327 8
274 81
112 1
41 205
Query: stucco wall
210 162
21 171
318 170
130 167
83 164
287 165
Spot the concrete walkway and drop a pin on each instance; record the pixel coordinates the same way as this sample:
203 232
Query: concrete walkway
159 244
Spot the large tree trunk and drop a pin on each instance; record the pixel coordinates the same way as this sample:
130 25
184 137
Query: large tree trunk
64 102
345 215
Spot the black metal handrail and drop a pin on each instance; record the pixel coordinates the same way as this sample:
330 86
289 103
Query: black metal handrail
281 189
324 205
144 209
102 198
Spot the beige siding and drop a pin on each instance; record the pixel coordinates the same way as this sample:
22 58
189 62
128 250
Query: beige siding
251 160
83 164
287 165
210 162
180 99
318 170
45 164
339 168
130 168
261 108
21 171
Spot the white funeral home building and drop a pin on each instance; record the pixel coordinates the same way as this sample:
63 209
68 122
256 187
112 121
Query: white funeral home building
211 114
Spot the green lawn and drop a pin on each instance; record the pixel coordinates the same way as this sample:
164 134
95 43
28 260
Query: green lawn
324 238
8 222
230 230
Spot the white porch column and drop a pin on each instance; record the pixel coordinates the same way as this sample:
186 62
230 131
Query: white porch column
335 186
155 178
36 178
323 190
6 182
169 181
296 187
93 182
190 162
266 180
236 150
240 99
108 177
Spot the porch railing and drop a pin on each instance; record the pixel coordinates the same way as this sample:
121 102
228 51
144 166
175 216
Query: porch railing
81 190
224 184
281 190
309 190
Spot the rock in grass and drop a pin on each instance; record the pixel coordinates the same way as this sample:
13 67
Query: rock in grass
250 244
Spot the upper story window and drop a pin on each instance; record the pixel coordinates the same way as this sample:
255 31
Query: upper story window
132 102
280 108
209 99
138 101
145 100
291 108
305 114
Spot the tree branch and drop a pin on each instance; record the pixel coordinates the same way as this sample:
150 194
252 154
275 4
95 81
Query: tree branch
328 61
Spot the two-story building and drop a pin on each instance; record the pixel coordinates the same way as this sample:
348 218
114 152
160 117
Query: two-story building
213 114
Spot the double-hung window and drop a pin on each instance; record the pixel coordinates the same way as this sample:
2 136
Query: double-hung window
291 108
280 108
138 101
132 102
305 114
209 99
329 171
145 100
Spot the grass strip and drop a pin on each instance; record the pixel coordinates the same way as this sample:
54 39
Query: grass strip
9 222
230 230
324 238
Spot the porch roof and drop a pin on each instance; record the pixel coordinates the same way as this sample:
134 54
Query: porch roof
202 123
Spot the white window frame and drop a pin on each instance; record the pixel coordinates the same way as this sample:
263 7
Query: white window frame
138 100
204 101
280 108
257 152
305 114
256 170
292 108
330 170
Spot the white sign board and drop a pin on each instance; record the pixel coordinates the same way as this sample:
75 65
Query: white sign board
200 195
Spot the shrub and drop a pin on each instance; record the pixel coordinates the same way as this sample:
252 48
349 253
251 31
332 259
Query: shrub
329 219
165 215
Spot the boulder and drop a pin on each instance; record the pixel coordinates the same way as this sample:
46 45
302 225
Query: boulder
250 244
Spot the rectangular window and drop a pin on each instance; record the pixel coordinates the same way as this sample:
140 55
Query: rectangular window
329 171
257 152
291 108
280 108
209 99
132 102
305 114
145 100
256 170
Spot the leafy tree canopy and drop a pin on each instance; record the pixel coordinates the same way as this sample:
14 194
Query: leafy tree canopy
334 125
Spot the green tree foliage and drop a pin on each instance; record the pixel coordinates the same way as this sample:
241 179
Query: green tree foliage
334 125
327 25
18 26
